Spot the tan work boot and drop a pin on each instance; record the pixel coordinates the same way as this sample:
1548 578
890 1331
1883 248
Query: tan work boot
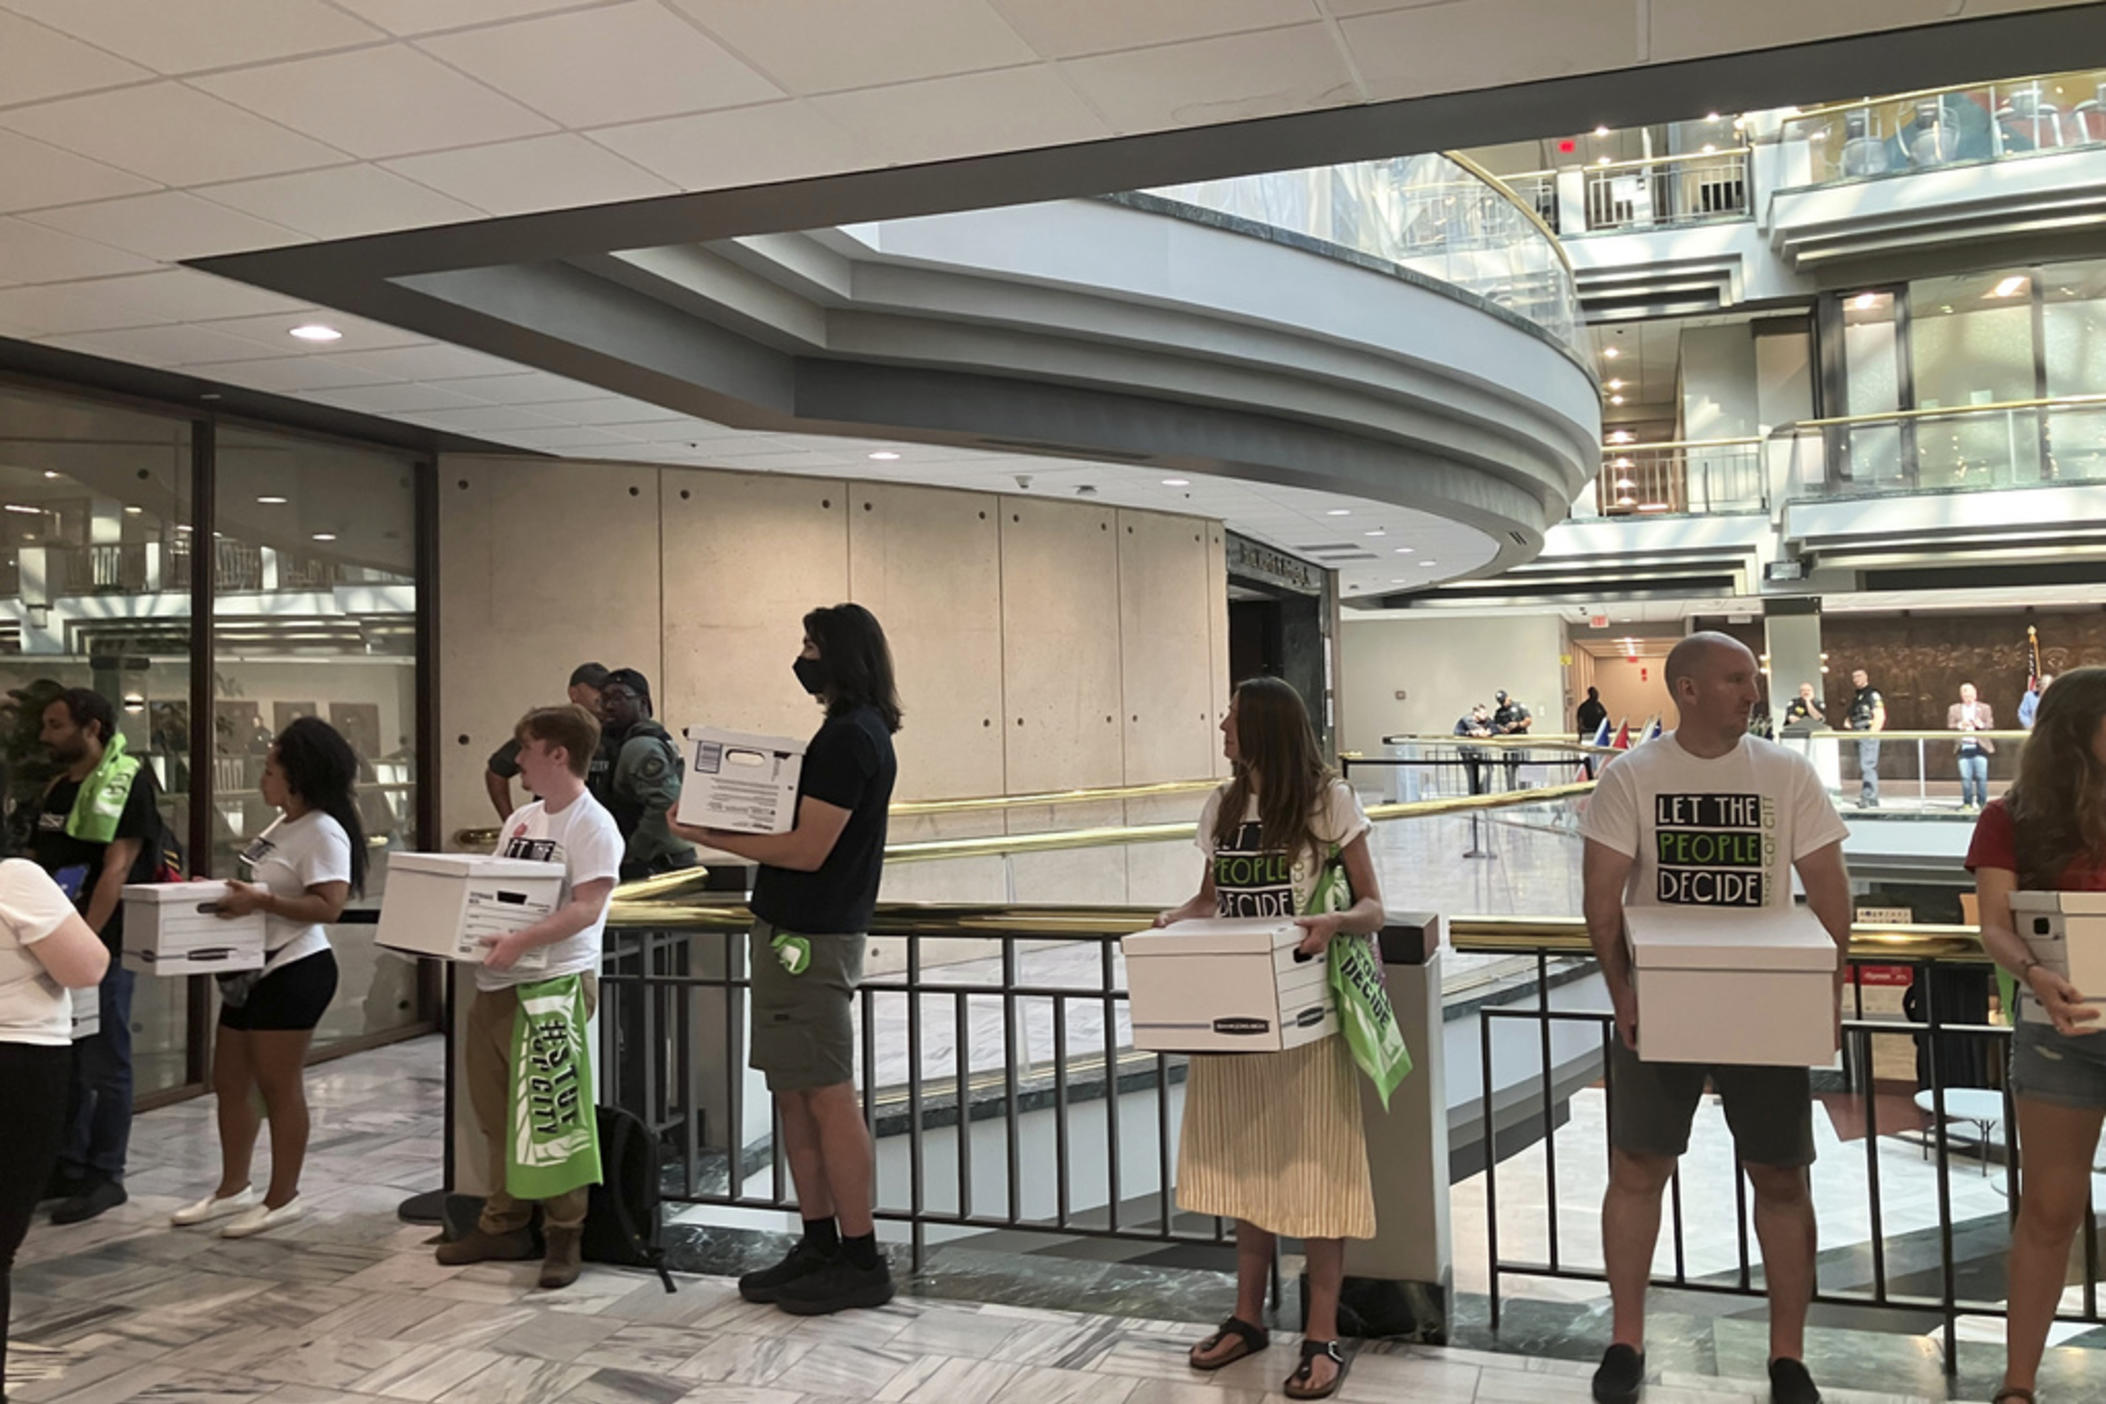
476 1246
565 1258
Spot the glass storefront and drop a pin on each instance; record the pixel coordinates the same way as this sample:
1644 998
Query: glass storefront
314 612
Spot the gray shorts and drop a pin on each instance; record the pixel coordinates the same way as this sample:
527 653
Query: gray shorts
1651 1106
2063 1070
804 1032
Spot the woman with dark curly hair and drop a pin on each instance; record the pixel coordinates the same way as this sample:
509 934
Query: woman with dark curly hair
2048 834
301 870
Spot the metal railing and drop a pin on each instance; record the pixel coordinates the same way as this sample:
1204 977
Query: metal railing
1694 475
1438 215
1539 191
1944 127
2013 443
1699 187
1959 1047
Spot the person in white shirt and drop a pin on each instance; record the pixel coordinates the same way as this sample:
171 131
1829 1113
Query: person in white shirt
45 950
1708 816
302 870
568 826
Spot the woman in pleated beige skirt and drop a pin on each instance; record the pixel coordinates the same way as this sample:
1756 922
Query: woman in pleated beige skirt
1274 1140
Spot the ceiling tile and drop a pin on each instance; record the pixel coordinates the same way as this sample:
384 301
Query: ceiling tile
1485 43
864 44
1070 28
391 399
274 333
614 410
35 174
158 346
342 202
138 300
484 419
30 253
1217 80
1689 28
37 62
378 102
427 16
168 225
288 376
942 117
566 437
747 146
594 67
432 362
169 132
558 172
183 36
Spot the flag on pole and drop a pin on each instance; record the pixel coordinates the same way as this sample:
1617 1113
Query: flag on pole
1652 733
2032 658
1601 733
1623 736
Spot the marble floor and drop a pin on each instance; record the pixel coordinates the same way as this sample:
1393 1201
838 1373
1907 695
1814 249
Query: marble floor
347 1306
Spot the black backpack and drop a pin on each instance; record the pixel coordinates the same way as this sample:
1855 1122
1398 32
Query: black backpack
621 1218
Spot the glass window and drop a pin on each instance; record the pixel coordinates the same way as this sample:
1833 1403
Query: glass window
1971 344
2074 317
95 531
316 616
1872 371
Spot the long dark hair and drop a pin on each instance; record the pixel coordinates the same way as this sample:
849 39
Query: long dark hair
858 661
320 768
1278 758
2059 800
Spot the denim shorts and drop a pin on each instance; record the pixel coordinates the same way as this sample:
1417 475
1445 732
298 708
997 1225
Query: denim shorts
2063 1070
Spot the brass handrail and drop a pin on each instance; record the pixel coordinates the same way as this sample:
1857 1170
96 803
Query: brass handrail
1527 209
1568 935
1608 449
1947 412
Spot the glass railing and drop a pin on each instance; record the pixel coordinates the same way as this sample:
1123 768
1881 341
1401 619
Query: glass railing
1439 216
2020 443
1929 130
1670 479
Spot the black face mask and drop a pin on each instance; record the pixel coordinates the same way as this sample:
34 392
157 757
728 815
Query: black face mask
812 674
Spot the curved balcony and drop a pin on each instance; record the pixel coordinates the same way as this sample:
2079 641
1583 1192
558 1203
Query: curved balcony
1944 127
1972 448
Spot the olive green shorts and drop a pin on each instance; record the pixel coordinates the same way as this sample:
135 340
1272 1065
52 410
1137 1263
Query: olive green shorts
804 987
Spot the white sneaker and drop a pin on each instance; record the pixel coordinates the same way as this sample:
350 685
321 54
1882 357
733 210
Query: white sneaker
209 1208
262 1217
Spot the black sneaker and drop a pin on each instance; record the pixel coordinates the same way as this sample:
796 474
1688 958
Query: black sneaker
99 1197
1621 1376
767 1284
1790 1384
63 1184
837 1286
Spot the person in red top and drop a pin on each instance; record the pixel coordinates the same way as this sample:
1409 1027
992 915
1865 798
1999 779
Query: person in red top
2048 834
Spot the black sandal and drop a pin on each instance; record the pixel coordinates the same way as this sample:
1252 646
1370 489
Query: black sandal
1310 1351
1252 1339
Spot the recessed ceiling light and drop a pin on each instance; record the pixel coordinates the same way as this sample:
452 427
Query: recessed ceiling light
133 511
1865 302
25 511
1406 550
271 501
1610 353
325 536
316 331
1616 385
1400 580
2009 287
884 456
1339 512
1615 399
1710 116
1601 131
1620 436
1602 161
49 473
1177 482
1710 148
1378 531
1429 563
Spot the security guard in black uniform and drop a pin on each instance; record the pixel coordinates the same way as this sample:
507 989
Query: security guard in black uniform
643 778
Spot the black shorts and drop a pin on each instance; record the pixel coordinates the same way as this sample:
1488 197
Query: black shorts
292 998
1768 1110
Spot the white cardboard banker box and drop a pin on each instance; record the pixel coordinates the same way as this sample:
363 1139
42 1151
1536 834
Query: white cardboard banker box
1733 985
87 1013
1227 986
444 904
741 782
174 928
2066 932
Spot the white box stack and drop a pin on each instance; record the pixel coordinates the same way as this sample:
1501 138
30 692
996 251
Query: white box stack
1227 986
740 781
1733 985
174 928
444 904
87 1012
2066 932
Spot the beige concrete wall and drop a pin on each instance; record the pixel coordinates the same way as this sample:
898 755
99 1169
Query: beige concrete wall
1041 645
1442 666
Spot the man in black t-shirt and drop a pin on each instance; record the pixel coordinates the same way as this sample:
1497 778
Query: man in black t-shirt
502 769
1510 718
92 844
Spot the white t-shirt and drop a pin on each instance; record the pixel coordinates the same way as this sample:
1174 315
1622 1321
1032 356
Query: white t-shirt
1251 880
1711 833
286 859
583 838
34 1008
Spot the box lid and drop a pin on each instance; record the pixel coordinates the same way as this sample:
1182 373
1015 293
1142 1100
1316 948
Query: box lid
2073 903
156 894
1216 936
785 746
471 865
1728 938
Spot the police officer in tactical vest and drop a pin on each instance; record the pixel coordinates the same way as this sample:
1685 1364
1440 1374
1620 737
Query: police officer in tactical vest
643 778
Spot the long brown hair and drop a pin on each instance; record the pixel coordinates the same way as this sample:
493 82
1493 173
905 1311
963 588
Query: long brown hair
2059 800
1278 758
